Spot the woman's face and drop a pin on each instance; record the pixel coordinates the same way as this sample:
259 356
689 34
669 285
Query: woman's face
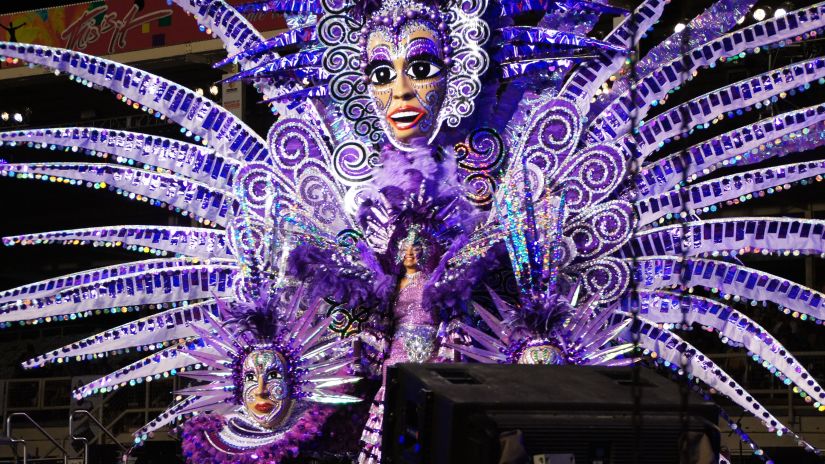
265 392
411 256
407 77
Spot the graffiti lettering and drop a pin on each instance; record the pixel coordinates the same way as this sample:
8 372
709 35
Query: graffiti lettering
87 29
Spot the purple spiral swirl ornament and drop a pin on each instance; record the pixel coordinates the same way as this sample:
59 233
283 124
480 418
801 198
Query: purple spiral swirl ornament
318 198
249 238
290 144
606 278
344 321
592 175
482 150
348 238
554 129
479 160
340 33
601 231
551 136
558 127
467 34
479 188
256 188
353 163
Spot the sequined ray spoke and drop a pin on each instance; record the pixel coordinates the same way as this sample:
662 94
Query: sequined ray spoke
193 242
188 160
149 287
148 332
163 190
219 128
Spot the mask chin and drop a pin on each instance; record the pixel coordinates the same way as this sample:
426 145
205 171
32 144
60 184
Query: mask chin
275 418
412 143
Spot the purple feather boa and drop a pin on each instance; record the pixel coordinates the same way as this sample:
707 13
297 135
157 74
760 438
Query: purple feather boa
331 276
448 289
419 187
197 448
420 170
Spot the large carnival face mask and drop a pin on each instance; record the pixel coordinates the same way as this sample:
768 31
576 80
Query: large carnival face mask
407 78
265 391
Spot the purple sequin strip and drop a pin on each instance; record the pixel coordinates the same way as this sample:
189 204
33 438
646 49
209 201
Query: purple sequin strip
282 6
193 161
657 273
583 82
615 121
54 285
183 241
150 287
737 235
166 190
749 144
221 129
172 324
289 38
704 197
305 59
729 100
736 328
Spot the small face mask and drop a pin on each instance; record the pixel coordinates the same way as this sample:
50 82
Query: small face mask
265 391
407 78
538 352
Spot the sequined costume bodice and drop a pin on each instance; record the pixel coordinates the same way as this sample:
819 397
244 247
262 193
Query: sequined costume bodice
415 327
409 307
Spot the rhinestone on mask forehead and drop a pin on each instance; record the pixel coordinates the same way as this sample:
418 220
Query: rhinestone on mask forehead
261 359
393 29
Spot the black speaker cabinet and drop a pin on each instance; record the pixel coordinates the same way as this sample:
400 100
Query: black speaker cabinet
505 414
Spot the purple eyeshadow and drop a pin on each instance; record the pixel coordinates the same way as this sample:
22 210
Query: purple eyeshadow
422 46
380 52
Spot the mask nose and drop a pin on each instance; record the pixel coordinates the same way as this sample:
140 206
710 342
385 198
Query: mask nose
403 90
262 390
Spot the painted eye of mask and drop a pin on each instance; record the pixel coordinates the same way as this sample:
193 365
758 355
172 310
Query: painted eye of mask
382 74
423 69
249 377
272 375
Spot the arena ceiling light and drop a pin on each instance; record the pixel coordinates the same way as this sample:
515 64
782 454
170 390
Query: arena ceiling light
780 12
759 14
4 116
214 89
679 27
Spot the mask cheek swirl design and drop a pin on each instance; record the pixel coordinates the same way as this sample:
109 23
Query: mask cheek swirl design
265 392
406 72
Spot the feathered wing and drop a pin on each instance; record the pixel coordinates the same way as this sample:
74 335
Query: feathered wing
680 188
631 236
207 179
